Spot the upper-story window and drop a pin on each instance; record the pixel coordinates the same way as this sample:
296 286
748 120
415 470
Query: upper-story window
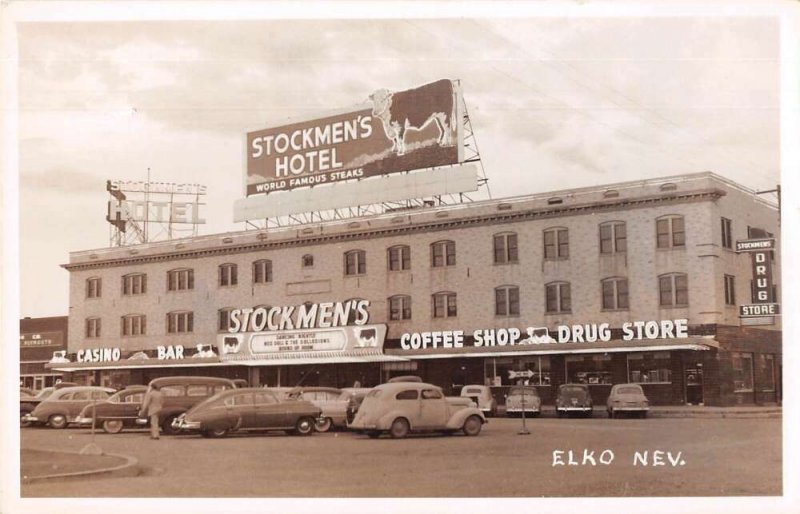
556 243
134 283
180 280
505 248
506 301
227 275
443 253
93 287
730 290
307 261
727 232
355 262
673 289
262 271
670 232
92 328
399 258
613 237
399 307
134 325
180 322
224 319
615 293
444 305
558 297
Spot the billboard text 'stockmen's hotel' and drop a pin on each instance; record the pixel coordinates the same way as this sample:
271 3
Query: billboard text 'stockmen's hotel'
628 282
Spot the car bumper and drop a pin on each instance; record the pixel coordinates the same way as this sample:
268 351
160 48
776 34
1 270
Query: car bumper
574 409
27 418
629 408
520 409
183 425
83 421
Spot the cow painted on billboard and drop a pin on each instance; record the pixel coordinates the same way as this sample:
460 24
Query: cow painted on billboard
415 109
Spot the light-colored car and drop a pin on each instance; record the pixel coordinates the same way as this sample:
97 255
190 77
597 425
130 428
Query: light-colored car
63 406
627 398
482 396
574 398
403 407
523 399
323 397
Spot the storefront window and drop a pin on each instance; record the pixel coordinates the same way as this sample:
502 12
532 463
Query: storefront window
649 368
588 369
496 370
767 364
742 364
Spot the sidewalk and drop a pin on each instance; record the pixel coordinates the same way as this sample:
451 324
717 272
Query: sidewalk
38 465
686 411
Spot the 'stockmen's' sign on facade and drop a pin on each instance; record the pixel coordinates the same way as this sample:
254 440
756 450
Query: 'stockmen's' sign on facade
397 131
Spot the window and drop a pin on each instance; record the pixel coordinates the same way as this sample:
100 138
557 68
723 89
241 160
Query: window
557 297
443 253
556 243
262 271
399 307
506 301
670 232
649 367
264 398
727 233
742 364
767 366
588 369
173 390
180 280
431 394
227 275
196 390
224 316
133 325
93 287
444 305
673 290
399 258
307 261
411 394
180 322
613 237
505 248
92 328
355 262
615 293
135 283
496 370
730 290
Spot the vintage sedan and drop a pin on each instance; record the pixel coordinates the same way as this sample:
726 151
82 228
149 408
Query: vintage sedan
247 409
119 411
326 399
28 403
523 399
63 406
574 398
627 398
482 396
403 407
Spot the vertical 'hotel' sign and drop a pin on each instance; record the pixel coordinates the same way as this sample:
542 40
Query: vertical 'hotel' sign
763 298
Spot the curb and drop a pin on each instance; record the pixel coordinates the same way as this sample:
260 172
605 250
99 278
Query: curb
128 468
698 414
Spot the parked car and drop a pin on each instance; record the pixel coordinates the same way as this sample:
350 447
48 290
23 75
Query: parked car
403 407
183 393
483 398
63 406
338 410
523 398
28 403
27 391
247 409
404 378
573 398
627 398
324 398
119 411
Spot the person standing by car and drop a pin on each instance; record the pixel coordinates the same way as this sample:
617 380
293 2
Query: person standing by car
153 403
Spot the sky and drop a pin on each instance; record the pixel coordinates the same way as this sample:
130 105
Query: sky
554 103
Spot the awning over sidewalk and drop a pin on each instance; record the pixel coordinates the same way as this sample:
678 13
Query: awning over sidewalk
654 345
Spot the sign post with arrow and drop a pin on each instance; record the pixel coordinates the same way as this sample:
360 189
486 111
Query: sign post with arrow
527 374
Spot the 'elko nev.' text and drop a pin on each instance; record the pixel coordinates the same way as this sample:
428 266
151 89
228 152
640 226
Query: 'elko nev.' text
588 333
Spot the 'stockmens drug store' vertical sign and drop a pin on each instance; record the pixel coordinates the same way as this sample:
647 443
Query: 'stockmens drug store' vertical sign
764 303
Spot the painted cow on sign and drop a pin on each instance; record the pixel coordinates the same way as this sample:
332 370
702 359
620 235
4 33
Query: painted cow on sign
415 109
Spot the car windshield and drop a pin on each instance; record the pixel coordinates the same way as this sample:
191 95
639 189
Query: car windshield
519 390
629 390
573 389
374 393
44 393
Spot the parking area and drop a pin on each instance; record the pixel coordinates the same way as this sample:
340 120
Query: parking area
620 457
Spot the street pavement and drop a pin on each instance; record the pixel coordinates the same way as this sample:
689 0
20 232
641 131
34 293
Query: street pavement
707 457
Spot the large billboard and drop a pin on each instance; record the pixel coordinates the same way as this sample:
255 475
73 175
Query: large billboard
394 132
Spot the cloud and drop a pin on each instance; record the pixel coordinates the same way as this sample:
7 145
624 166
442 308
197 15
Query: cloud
62 180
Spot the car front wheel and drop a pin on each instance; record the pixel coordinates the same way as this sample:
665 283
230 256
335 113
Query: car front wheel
57 421
472 426
166 426
323 425
304 426
112 426
400 428
217 432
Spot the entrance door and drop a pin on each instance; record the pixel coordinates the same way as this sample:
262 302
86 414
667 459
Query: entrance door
694 385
